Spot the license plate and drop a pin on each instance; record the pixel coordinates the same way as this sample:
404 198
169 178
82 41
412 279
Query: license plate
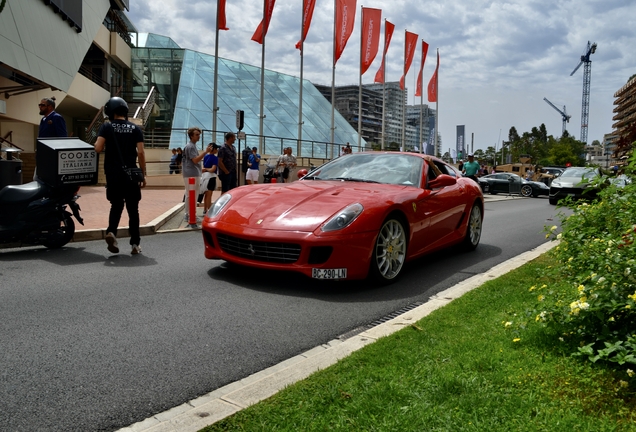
340 273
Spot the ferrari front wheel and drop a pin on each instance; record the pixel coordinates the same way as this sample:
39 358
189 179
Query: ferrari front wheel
389 253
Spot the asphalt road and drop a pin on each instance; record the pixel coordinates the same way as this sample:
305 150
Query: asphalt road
90 341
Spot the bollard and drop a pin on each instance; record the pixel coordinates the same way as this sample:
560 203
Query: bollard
192 201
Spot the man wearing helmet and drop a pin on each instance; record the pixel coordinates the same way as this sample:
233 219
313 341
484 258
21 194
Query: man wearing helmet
125 144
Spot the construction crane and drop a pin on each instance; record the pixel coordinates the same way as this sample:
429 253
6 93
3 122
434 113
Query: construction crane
587 77
564 115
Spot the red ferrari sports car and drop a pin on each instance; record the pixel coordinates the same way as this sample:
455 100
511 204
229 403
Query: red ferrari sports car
360 215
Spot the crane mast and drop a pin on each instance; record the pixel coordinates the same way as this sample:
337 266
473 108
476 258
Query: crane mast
587 78
564 115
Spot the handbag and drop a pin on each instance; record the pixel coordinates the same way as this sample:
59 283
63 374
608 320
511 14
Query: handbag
134 174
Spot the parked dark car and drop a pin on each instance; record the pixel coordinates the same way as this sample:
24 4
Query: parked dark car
574 182
509 183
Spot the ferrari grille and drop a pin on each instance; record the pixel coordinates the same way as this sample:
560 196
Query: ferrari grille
260 251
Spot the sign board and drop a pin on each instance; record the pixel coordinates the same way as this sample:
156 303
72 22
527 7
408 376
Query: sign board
62 161
240 116
241 136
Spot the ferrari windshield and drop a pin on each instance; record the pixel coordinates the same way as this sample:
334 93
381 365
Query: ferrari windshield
390 168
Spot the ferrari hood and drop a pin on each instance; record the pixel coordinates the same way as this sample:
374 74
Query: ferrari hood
299 206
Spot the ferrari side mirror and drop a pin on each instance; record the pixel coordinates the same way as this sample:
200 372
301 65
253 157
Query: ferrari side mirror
442 180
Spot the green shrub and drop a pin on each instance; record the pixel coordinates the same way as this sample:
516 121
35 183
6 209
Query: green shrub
593 306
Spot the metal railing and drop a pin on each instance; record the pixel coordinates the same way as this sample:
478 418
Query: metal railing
144 111
83 70
274 145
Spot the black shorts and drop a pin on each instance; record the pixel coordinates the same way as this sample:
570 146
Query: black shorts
212 184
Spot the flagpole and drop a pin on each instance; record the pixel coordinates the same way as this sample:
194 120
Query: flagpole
384 53
437 102
300 91
360 78
421 143
333 79
215 106
404 94
261 115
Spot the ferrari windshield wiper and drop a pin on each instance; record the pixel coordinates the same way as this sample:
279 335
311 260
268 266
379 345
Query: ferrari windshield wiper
353 179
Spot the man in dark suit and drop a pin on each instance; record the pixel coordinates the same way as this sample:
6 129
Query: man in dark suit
52 124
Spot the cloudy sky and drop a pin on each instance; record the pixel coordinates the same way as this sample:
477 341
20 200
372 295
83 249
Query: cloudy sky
498 59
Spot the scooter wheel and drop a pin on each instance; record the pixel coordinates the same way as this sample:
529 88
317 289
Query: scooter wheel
58 238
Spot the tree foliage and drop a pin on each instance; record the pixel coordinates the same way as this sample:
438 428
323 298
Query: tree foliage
544 149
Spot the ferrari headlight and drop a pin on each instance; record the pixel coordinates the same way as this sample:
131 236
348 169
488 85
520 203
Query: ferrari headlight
219 205
343 218
556 184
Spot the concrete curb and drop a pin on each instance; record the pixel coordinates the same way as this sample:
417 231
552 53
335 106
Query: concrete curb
150 228
225 401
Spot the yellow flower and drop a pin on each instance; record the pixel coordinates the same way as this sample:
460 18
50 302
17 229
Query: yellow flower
570 259
553 227
541 297
559 235
627 271
516 339
611 319
630 373
544 286
581 288
633 296
532 288
623 384
508 324
628 307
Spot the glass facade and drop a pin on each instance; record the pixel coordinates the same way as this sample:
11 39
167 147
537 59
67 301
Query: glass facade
185 80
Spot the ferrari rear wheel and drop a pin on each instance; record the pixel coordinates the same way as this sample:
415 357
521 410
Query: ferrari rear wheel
473 230
389 253
526 190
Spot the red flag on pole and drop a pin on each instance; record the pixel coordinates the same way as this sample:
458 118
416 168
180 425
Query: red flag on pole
345 20
388 34
259 34
370 37
308 12
432 85
418 90
220 15
410 42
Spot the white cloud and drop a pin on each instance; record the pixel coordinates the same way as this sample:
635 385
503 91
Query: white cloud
499 59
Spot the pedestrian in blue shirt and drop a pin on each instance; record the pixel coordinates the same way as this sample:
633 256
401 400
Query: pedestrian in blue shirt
253 170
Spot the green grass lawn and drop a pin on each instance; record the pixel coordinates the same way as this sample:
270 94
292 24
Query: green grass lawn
460 368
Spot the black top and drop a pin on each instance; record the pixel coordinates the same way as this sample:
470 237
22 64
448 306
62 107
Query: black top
126 135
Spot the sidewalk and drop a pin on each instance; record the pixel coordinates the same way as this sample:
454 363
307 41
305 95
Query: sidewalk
158 211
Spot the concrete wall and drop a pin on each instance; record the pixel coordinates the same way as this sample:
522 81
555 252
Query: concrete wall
26 43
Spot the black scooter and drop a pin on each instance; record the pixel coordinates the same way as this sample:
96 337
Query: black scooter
35 214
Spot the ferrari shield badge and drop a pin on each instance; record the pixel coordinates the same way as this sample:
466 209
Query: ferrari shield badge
414 208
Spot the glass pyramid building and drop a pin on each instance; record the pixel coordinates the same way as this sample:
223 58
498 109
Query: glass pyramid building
185 80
